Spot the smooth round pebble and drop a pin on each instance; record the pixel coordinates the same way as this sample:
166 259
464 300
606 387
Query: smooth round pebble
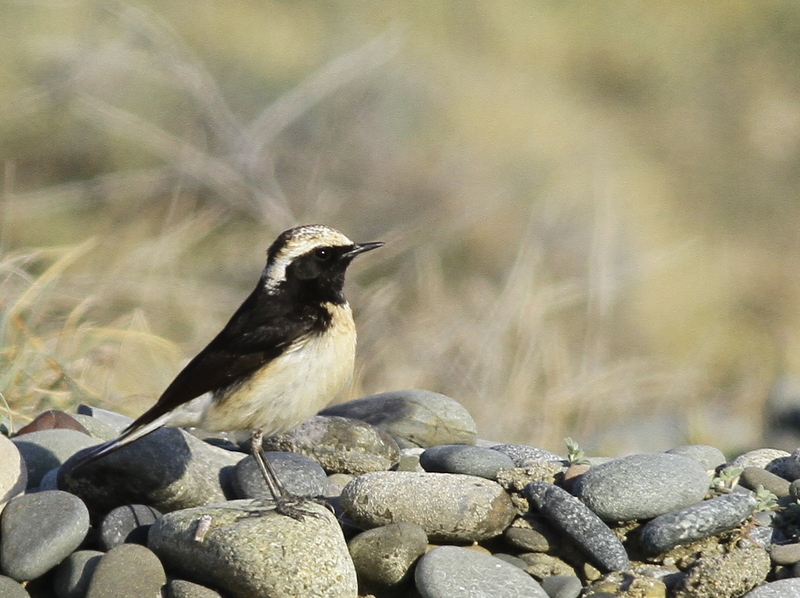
449 507
127 571
466 459
562 586
710 456
785 554
642 486
12 589
128 524
786 467
73 574
13 473
180 588
784 588
455 572
300 476
758 458
384 556
532 533
753 477
38 531
415 418
525 456
47 449
96 427
112 419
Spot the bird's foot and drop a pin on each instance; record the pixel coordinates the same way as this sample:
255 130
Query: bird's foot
292 506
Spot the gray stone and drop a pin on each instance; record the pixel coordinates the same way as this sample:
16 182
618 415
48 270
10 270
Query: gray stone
180 588
409 459
49 481
587 530
730 574
710 456
112 419
696 522
384 557
455 572
466 459
336 483
785 554
48 449
413 417
38 531
246 550
562 586
786 467
300 475
127 571
758 458
339 445
128 524
449 507
642 486
168 470
74 573
11 589
13 473
96 427
532 533
526 456
753 477
783 588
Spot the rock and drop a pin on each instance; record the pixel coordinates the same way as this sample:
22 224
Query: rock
168 470
339 445
731 574
127 525
245 550
587 530
449 507
38 531
52 420
48 449
628 585
526 456
127 571
783 588
115 421
785 554
711 457
696 522
180 588
418 418
74 573
562 586
384 556
452 571
466 459
753 477
758 458
97 428
786 467
532 533
409 459
13 473
642 486
11 589
300 475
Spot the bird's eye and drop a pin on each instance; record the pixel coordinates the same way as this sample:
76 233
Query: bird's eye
323 254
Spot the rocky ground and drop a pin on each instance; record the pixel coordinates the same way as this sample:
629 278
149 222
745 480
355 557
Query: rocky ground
419 506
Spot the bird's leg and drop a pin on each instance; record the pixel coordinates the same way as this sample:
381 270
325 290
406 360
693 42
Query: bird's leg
284 500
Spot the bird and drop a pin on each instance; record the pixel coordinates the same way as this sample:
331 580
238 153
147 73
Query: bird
283 355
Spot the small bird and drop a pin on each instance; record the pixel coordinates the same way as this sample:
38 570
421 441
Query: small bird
283 355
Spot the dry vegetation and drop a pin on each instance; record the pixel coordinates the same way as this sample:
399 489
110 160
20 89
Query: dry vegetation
590 209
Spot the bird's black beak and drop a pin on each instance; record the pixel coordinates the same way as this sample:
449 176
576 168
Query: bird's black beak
361 248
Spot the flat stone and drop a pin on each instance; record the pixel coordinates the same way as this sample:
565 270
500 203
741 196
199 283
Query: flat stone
532 533
47 449
300 475
418 418
384 556
466 459
526 456
127 571
116 421
168 470
97 428
452 571
339 445
74 573
785 554
180 588
449 507
245 550
758 458
11 589
13 473
642 486
753 477
562 586
783 588
38 531
711 457
128 524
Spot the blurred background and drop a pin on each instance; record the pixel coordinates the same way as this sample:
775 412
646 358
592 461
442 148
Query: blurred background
591 209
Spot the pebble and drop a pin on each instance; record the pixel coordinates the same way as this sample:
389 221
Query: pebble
758 458
339 445
526 456
112 419
384 556
50 420
466 459
532 533
587 530
710 456
783 588
180 588
47 449
753 477
127 571
415 418
720 575
785 554
13 473
786 467
562 586
127 524
449 507
696 522
73 574
11 589
245 550
38 531
642 486
300 476
455 572
168 470
97 428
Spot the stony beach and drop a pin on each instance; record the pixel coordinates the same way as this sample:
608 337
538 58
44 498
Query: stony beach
406 501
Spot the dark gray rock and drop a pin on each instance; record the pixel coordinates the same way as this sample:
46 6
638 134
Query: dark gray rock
642 486
532 533
696 522
300 475
449 507
11 589
13 473
180 588
587 530
466 459
784 588
384 557
526 456
247 550
112 419
74 573
339 445
168 470
38 531
127 571
48 449
128 524
452 571
562 586
413 417
711 457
